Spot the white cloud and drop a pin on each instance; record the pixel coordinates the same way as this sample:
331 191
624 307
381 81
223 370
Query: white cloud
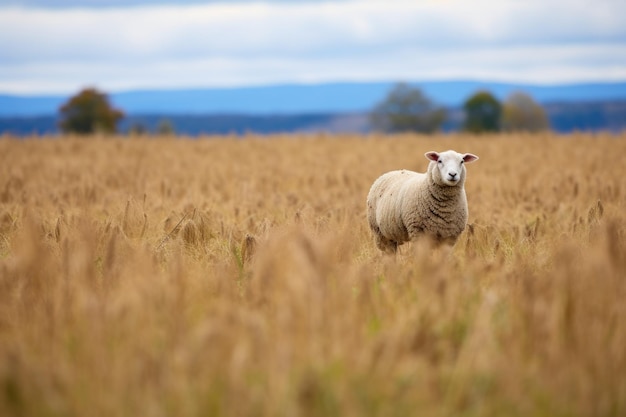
257 43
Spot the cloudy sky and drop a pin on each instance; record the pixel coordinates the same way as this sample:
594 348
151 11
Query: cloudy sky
60 46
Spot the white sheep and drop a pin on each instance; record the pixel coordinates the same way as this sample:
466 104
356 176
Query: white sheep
403 205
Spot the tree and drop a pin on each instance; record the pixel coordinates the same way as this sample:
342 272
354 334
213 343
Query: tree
137 129
482 113
407 109
522 113
165 128
88 112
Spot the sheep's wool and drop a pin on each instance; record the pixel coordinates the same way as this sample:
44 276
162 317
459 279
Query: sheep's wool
403 205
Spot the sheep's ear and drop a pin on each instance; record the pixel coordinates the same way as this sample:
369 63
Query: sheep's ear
469 157
433 156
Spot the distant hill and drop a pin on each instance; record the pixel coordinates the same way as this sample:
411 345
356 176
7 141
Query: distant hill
327 98
564 117
595 116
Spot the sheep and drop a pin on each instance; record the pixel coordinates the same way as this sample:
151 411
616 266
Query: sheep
403 205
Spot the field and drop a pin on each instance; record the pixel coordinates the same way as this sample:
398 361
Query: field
238 277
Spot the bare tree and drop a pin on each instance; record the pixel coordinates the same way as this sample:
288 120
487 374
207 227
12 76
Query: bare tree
405 109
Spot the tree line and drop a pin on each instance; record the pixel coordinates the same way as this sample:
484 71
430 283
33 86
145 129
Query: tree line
405 109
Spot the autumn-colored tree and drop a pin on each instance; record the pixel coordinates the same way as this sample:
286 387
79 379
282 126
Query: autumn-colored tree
88 112
406 109
522 113
482 113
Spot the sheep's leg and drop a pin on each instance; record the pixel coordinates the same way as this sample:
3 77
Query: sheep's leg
384 244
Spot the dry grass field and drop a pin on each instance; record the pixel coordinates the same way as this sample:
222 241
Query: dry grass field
238 277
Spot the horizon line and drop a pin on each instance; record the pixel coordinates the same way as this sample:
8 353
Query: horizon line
305 84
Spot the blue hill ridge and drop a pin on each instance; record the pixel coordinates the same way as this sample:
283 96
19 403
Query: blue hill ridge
305 98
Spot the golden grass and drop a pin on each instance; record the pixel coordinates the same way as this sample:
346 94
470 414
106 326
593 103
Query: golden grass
224 276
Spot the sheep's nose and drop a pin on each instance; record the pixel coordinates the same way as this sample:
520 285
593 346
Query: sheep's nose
452 175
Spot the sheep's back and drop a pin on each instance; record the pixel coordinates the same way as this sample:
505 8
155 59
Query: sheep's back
385 202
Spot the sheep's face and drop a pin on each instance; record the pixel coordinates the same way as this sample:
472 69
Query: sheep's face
449 166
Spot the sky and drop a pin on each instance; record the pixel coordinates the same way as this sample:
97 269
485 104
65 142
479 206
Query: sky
61 46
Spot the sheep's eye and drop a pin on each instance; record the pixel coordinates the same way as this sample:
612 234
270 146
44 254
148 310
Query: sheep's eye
439 161
462 161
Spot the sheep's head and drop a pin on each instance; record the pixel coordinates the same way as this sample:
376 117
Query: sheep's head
448 168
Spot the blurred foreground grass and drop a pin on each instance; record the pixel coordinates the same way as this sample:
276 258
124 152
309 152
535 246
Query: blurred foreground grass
238 277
